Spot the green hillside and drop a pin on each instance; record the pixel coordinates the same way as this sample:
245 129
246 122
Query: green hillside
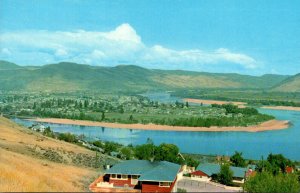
4 65
74 77
291 84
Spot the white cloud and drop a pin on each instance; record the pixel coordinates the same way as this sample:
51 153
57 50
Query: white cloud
123 33
61 52
5 51
247 61
122 45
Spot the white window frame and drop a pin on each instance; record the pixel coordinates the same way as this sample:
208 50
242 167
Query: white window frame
111 176
119 178
134 181
137 176
170 184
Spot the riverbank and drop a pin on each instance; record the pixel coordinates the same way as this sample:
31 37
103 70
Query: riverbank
288 108
209 102
265 126
239 104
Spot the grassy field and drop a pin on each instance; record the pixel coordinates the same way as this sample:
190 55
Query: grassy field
32 162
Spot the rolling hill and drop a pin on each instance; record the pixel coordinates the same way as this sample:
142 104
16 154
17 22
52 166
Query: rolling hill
291 84
4 65
67 76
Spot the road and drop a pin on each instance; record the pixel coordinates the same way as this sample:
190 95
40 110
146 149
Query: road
197 186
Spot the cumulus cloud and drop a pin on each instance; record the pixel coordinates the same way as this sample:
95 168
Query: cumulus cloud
121 45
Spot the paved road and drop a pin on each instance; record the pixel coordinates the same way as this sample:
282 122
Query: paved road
196 186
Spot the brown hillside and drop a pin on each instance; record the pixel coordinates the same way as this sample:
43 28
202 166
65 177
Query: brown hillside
32 162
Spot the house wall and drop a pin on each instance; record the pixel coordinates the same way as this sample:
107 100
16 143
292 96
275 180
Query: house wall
154 187
238 180
121 182
200 176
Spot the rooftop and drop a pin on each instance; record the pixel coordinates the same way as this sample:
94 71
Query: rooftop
211 168
148 171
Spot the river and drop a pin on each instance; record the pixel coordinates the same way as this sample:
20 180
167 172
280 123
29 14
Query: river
253 145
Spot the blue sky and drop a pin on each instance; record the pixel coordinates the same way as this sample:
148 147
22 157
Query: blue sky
249 37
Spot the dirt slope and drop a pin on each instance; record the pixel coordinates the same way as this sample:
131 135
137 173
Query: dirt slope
32 162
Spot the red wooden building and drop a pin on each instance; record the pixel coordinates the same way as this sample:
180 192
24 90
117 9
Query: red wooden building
139 175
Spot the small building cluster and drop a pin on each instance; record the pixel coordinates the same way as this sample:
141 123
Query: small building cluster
138 176
206 171
162 176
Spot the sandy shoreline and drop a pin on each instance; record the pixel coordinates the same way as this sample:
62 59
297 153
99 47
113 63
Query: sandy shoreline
239 104
266 126
289 108
209 102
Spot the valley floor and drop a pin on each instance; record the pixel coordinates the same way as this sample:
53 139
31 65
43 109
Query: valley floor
265 126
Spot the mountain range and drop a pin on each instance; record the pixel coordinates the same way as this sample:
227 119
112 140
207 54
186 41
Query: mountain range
66 76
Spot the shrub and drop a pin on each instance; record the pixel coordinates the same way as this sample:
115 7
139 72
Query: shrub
267 182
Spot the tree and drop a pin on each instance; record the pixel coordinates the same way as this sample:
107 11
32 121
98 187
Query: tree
238 160
176 103
278 163
86 103
191 161
98 144
130 118
149 141
34 105
81 116
187 104
145 152
226 175
267 182
102 116
263 165
111 146
68 137
126 152
168 152
48 132
121 109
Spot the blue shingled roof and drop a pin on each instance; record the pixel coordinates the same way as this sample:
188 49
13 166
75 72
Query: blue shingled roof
148 171
211 168
238 171
164 171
